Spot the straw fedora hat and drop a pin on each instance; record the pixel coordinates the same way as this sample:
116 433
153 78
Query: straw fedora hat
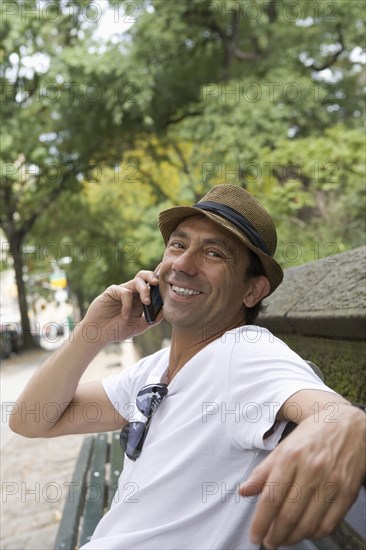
234 209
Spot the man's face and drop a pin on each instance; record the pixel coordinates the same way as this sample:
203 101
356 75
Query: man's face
202 276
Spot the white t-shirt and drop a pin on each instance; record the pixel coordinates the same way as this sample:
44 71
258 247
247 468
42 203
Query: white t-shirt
203 441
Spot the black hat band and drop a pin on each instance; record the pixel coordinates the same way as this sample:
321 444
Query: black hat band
240 221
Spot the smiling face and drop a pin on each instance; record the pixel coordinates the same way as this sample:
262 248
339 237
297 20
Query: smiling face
202 277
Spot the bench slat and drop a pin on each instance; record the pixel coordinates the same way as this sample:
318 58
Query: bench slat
95 481
95 496
343 538
116 460
66 538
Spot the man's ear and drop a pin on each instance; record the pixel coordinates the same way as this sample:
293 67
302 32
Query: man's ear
258 288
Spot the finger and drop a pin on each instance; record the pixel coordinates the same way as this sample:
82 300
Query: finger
122 294
271 500
307 500
137 309
147 276
157 269
296 518
253 485
328 506
333 516
137 315
127 297
314 503
142 283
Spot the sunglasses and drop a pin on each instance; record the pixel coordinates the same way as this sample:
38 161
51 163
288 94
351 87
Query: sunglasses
133 435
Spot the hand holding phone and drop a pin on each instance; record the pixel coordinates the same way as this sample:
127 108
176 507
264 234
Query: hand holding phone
151 311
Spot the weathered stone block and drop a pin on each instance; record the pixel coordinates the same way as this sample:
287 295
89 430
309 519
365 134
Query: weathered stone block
322 298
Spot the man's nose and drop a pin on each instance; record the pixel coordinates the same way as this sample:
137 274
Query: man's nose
186 262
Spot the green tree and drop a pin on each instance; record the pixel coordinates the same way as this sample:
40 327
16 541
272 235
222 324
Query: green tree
256 85
48 90
110 228
197 92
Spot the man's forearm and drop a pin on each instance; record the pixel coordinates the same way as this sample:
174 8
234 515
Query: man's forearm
54 382
115 315
325 452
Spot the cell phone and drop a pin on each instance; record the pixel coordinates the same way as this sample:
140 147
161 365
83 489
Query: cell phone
151 311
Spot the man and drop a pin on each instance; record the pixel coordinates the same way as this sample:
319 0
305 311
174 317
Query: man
216 401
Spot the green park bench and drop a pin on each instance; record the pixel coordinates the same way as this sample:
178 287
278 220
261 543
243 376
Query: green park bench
95 480
94 483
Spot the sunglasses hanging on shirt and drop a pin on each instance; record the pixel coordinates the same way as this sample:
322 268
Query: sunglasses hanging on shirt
133 435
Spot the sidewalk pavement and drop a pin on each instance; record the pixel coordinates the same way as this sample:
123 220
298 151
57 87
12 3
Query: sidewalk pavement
35 473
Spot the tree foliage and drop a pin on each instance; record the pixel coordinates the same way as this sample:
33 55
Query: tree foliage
98 138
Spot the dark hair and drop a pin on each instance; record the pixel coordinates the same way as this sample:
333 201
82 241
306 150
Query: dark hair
255 269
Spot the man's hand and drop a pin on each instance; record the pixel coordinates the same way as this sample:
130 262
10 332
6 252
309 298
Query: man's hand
310 480
117 313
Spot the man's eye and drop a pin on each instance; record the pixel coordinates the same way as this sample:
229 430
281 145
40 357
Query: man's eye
214 254
176 244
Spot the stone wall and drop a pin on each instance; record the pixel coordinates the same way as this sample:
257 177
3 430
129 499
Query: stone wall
320 311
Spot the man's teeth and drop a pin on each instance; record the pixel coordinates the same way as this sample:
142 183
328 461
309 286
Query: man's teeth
185 291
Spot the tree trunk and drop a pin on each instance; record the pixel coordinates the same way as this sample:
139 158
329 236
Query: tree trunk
16 251
80 301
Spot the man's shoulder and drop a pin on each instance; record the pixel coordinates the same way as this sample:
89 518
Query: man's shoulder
251 334
156 356
155 360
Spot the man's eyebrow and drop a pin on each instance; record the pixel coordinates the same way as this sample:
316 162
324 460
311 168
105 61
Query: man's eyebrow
209 240
219 242
178 233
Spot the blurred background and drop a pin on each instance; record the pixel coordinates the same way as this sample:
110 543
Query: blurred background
114 110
